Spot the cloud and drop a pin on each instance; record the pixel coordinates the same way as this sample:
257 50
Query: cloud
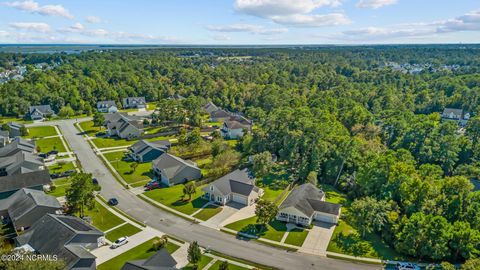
93 19
246 28
47 10
375 3
297 13
31 26
216 37
77 26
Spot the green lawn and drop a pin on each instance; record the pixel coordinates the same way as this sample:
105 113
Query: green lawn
89 129
273 184
102 218
140 252
60 168
60 186
6 119
143 173
104 142
40 132
203 164
151 105
208 212
274 230
47 145
172 197
201 264
216 266
296 237
124 230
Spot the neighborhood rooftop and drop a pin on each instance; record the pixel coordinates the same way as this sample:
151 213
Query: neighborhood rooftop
307 199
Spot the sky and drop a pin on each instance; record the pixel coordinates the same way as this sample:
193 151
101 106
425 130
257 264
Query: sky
239 21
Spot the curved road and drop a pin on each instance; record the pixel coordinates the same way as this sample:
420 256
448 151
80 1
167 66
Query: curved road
178 227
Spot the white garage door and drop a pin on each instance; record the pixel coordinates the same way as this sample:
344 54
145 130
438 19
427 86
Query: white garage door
325 218
239 199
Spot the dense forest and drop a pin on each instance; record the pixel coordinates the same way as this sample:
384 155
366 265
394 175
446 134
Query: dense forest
374 132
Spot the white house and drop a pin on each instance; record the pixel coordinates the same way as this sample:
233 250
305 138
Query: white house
305 204
235 127
107 106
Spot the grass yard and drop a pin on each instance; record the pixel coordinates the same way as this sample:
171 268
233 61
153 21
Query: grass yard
273 231
89 129
40 132
102 218
142 174
296 237
124 230
47 145
140 252
216 266
273 184
172 197
61 167
6 119
203 164
61 186
201 264
151 106
105 142
208 212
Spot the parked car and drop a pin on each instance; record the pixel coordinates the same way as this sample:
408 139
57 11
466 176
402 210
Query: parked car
68 173
407 266
53 152
42 155
152 185
113 201
54 175
120 242
95 181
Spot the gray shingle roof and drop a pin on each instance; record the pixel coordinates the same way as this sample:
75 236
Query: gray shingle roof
143 146
106 104
161 260
210 107
44 109
238 181
16 145
220 114
307 199
172 165
25 180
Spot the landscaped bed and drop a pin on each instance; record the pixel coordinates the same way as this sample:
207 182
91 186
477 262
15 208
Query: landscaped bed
141 175
124 230
296 237
40 132
208 212
273 231
140 252
49 144
102 218
173 197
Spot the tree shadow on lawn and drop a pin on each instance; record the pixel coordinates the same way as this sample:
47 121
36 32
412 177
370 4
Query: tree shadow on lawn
276 180
260 230
196 203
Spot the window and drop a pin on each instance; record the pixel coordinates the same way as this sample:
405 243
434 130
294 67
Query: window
284 215
211 188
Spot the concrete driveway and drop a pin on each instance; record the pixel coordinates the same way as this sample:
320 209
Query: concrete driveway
318 238
228 210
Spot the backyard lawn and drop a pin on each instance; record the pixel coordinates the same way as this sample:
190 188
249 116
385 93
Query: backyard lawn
141 175
102 218
40 132
208 212
274 230
172 197
296 237
273 184
61 167
60 186
89 129
105 142
216 266
140 252
124 230
49 144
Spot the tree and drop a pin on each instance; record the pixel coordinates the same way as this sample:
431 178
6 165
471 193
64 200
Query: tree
133 166
23 131
262 164
189 189
66 111
80 194
223 265
312 178
224 162
465 240
472 264
194 137
265 211
369 214
160 243
194 254
98 119
5 127
446 266
218 146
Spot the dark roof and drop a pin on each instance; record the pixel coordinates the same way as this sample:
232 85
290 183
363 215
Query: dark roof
161 260
241 188
220 114
172 165
44 109
106 104
15 125
238 181
21 162
307 199
141 147
134 100
210 107
4 133
25 180
16 145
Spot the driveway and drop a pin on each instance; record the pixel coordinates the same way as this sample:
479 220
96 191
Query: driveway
227 211
318 238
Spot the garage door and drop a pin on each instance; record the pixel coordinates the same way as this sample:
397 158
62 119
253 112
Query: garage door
239 199
325 218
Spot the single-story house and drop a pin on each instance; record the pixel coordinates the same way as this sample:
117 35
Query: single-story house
451 114
237 186
107 106
38 180
210 107
4 137
15 129
123 125
26 206
68 237
40 112
235 127
305 204
134 102
173 170
20 162
219 115
145 151
161 260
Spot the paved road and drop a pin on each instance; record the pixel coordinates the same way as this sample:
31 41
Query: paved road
178 227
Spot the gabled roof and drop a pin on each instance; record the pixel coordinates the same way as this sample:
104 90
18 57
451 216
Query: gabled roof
161 260
16 145
21 162
143 146
4 133
210 107
172 165
25 180
238 181
454 111
307 199
15 125
233 124
44 109
106 104
134 100
220 114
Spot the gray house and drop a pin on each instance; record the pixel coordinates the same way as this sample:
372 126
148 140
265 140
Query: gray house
107 106
161 260
210 107
4 138
26 206
70 238
458 115
15 129
123 125
17 145
219 115
20 162
145 151
32 180
40 112
134 102
237 186
173 170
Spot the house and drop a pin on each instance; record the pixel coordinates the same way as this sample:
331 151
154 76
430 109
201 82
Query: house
123 125
145 151
38 180
237 186
107 106
40 112
17 145
134 102
161 260
68 237
15 129
450 114
20 162
177 97
210 107
173 170
4 138
219 115
26 206
235 127
306 203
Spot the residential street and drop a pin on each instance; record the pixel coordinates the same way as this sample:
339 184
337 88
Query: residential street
180 228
